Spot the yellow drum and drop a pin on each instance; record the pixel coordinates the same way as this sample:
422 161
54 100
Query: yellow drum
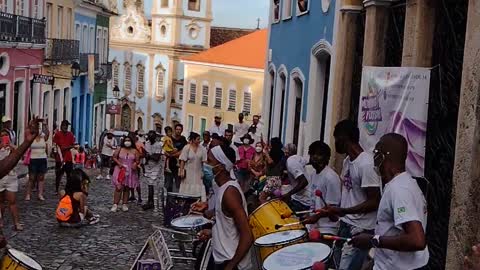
268 239
17 260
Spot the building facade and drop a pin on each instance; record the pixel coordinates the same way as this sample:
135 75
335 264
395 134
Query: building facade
62 50
224 80
91 29
145 56
297 86
22 43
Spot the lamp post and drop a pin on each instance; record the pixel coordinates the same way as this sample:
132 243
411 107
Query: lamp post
75 68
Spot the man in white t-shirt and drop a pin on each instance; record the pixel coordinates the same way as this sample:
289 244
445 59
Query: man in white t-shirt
327 181
299 197
399 237
256 130
360 194
217 127
239 129
154 167
108 148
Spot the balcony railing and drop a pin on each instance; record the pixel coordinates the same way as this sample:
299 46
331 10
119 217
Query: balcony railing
84 61
62 51
15 28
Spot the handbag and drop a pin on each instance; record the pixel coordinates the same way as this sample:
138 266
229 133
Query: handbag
121 175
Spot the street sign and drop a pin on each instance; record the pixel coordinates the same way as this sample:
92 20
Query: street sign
43 79
113 109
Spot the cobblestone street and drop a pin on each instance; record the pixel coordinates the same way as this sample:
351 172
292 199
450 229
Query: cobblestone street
113 243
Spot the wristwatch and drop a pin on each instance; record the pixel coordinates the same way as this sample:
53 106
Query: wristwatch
375 241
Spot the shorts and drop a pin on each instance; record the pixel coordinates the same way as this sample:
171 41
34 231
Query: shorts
154 173
9 183
106 161
38 166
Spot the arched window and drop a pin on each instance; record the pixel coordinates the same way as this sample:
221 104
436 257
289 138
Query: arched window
128 79
115 73
194 5
247 100
140 80
160 86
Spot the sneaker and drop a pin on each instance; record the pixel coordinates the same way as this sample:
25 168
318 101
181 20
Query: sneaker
108 177
41 198
93 220
114 208
124 208
96 215
100 177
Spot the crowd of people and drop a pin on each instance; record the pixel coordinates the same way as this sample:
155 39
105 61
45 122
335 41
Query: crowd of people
374 201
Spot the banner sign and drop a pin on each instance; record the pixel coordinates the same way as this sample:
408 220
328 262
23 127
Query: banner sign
113 109
395 99
91 72
43 79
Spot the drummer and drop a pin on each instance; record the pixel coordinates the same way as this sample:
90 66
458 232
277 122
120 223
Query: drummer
402 215
327 181
360 194
231 235
298 198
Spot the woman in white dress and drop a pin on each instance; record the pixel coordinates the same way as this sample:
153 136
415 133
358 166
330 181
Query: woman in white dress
191 168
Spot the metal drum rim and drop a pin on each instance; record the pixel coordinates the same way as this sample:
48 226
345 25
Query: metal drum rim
283 242
307 268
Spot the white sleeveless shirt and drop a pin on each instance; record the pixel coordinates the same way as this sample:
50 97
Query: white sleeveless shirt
225 235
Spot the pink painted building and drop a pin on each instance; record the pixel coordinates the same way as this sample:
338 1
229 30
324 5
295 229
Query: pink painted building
22 50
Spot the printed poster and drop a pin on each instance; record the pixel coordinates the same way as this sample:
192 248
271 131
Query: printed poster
395 99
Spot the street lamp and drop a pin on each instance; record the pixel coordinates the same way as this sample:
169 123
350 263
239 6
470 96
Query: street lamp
116 91
75 70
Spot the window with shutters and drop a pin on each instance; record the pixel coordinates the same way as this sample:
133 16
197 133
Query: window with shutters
247 101
140 80
180 93
160 85
128 79
205 95
115 73
193 93
194 5
232 99
218 97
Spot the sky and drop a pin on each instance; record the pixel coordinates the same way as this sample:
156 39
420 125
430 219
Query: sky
235 13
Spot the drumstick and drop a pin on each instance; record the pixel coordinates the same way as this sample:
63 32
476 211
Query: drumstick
319 193
288 215
278 226
335 238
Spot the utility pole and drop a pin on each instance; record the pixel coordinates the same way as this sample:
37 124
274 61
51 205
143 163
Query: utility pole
258 23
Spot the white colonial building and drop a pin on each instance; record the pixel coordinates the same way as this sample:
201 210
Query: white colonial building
145 55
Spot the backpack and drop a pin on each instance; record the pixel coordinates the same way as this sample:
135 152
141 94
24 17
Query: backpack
64 209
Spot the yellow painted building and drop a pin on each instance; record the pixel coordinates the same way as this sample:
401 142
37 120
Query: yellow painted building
226 80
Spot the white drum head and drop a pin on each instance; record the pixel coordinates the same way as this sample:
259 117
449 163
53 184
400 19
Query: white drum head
189 221
297 257
278 238
24 259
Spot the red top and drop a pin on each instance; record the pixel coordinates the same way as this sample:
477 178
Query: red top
80 158
64 140
246 154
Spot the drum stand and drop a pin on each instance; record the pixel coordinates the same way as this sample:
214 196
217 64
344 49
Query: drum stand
182 239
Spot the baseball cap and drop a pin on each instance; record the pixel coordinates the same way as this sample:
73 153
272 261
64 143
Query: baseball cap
6 119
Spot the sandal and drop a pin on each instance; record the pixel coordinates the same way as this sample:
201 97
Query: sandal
18 227
27 198
41 198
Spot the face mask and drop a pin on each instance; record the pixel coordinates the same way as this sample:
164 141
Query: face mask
128 144
246 141
258 149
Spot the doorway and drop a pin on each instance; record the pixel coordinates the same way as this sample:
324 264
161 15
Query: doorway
298 88
283 84
126 117
271 101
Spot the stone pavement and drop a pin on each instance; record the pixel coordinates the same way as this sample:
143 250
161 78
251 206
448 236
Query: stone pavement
113 243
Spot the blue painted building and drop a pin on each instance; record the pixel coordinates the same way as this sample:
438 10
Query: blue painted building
297 81
93 56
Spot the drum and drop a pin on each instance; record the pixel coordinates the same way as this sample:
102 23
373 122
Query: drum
262 222
177 205
193 223
17 260
297 257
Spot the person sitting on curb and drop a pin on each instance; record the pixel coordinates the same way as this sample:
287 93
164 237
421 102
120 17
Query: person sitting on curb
72 210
